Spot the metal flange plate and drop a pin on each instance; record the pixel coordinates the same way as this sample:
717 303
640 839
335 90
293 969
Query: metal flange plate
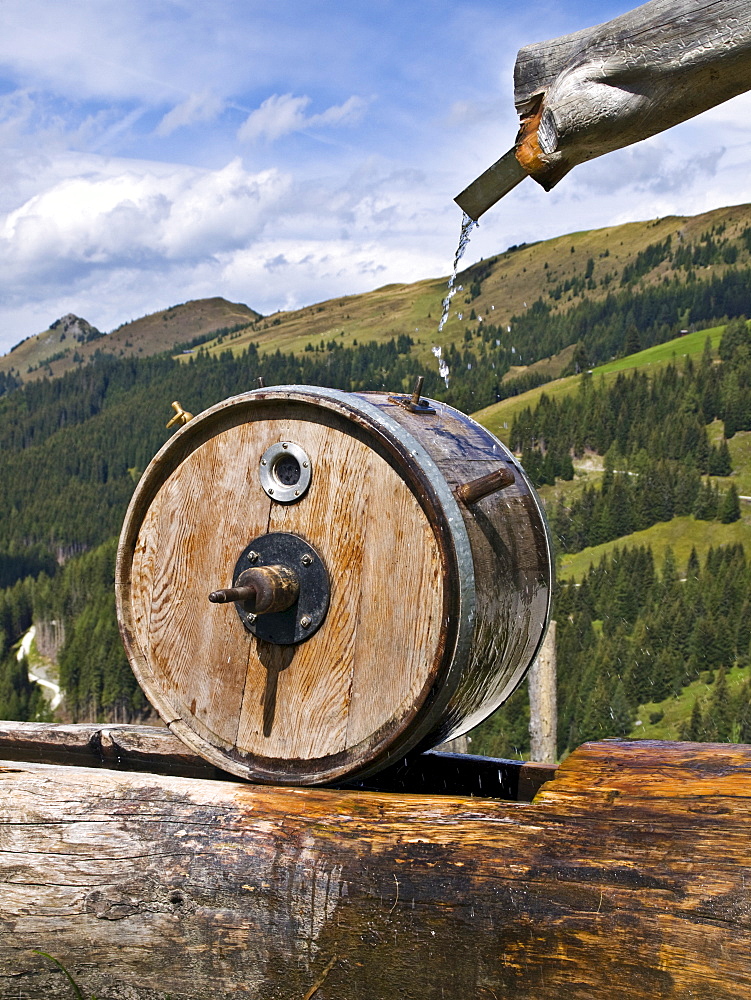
306 615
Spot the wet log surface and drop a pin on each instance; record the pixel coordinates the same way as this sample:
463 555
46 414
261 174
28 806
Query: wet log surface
628 876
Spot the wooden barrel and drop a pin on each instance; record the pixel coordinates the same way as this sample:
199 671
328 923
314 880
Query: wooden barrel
380 570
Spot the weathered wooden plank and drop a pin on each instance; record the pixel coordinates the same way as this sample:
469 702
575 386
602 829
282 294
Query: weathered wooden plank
159 751
119 747
614 883
603 88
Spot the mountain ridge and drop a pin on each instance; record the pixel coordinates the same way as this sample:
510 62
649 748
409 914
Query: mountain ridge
54 351
559 273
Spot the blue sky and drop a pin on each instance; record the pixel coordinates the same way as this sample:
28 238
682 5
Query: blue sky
279 152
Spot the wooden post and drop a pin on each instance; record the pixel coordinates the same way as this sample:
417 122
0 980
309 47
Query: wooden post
625 879
543 703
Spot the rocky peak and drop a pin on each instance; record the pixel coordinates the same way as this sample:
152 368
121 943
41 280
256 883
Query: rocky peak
79 329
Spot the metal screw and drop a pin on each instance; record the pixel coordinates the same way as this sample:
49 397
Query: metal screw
252 557
252 618
297 493
306 621
263 461
307 559
305 465
271 492
284 444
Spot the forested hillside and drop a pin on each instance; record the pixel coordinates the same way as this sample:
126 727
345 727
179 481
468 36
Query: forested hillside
630 634
659 443
633 634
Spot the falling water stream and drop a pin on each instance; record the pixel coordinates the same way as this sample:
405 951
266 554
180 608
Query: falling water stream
467 226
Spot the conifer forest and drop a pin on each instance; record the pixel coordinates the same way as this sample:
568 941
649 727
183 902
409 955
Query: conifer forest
635 631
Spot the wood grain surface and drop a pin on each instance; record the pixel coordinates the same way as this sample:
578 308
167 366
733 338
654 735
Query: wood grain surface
248 705
627 877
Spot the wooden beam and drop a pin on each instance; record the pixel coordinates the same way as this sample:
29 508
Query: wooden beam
159 751
603 88
627 877
120 747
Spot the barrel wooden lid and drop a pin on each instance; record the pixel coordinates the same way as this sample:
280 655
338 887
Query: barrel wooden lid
365 687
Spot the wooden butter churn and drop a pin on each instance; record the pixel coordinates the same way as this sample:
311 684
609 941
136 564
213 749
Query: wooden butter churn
312 583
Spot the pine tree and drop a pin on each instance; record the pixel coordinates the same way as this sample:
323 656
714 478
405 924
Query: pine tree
597 721
694 730
633 343
734 335
720 463
693 568
719 719
705 508
730 509
732 405
669 574
621 712
21 700
506 732
743 713
662 677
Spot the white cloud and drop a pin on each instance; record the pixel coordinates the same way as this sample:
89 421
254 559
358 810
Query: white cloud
113 240
277 116
112 205
281 114
203 107
147 213
339 114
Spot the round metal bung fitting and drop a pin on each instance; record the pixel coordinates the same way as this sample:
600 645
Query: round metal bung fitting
285 472
281 550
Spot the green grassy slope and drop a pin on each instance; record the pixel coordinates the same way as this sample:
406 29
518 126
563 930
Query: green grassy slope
492 292
677 711
499 417
496 289
681 534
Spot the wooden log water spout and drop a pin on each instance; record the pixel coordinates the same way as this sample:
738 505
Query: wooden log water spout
627 877
603 88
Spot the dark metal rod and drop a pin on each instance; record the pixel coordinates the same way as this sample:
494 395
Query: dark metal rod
232 594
